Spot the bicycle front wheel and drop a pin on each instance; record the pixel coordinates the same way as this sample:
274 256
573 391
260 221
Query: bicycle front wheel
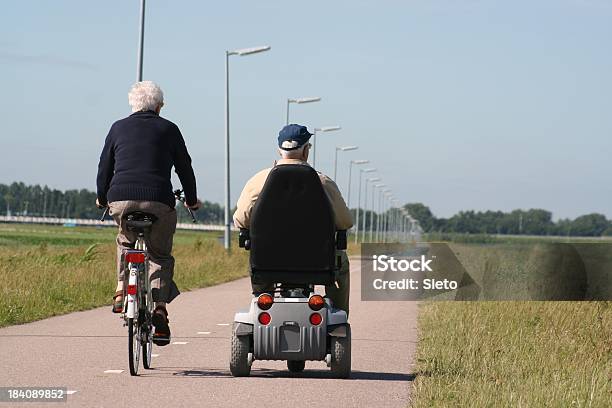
147 348
133 345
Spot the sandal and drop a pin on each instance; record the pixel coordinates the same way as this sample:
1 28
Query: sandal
161 336
118 302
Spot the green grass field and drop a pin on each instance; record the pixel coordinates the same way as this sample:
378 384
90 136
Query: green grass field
50 270
513 353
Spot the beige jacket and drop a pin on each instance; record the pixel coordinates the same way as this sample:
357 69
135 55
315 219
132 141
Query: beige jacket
253 187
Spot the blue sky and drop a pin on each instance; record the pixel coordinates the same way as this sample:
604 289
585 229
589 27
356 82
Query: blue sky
460 104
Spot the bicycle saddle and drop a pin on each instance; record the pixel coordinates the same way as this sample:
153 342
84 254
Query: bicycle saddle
139 220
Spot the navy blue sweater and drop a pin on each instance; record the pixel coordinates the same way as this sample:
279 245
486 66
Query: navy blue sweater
137 158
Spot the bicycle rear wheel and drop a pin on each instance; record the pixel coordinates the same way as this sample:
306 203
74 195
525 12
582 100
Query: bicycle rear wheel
133 345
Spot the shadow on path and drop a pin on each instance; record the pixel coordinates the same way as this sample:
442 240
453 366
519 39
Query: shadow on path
180 372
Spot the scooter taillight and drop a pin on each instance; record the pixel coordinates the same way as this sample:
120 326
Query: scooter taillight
316 319
316 302
264 318
131 289
265 301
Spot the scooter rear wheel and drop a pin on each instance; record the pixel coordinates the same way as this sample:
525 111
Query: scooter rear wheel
341 355
239 359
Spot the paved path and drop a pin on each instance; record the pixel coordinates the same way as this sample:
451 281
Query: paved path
75 350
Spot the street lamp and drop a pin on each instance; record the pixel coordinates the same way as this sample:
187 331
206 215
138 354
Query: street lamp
348 194
300 101
140 42
381 218
392 218
241 52
341 149
314 139
365 205
361 171
396 221
379 185
393 224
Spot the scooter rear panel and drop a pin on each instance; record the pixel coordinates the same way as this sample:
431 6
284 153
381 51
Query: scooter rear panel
290 335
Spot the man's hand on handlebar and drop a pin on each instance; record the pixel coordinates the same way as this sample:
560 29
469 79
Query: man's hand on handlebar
194 207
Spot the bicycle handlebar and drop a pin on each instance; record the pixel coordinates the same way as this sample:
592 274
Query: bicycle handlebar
104 214
181 197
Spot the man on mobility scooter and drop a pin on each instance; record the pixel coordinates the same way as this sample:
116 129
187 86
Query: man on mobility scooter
294 221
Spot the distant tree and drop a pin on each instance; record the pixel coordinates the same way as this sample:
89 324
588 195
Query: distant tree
537 222
422 214
590 225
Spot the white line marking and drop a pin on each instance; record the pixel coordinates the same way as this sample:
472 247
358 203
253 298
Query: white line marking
222 324
154 355
203 332
113 371
70 392
179 342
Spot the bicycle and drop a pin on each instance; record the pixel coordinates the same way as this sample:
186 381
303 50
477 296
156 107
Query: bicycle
137 300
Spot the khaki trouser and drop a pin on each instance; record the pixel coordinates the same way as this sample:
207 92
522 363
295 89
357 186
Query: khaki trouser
338 295
159 244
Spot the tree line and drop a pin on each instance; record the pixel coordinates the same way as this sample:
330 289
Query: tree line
42 201
22 199
517 222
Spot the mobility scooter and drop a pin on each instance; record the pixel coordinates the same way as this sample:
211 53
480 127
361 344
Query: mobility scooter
292 242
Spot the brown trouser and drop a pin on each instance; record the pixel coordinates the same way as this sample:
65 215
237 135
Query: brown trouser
338 295
159 244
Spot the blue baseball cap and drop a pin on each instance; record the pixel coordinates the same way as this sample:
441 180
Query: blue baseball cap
293 137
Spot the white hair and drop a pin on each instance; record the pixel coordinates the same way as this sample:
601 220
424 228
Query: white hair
145 95
293 154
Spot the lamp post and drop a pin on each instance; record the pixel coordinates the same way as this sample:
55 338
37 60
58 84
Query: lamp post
348 194
361 171
140 42
380 215
397 218
391 228
241 53
341 149
314 140
300 101
391 223
379 185
404 220
365 205
389 197
382 218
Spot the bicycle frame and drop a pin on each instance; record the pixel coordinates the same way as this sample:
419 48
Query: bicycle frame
139 286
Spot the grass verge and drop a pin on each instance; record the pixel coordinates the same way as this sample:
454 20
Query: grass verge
51 270
489 354
513 353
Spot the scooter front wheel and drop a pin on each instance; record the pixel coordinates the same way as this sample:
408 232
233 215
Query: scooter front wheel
296 366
